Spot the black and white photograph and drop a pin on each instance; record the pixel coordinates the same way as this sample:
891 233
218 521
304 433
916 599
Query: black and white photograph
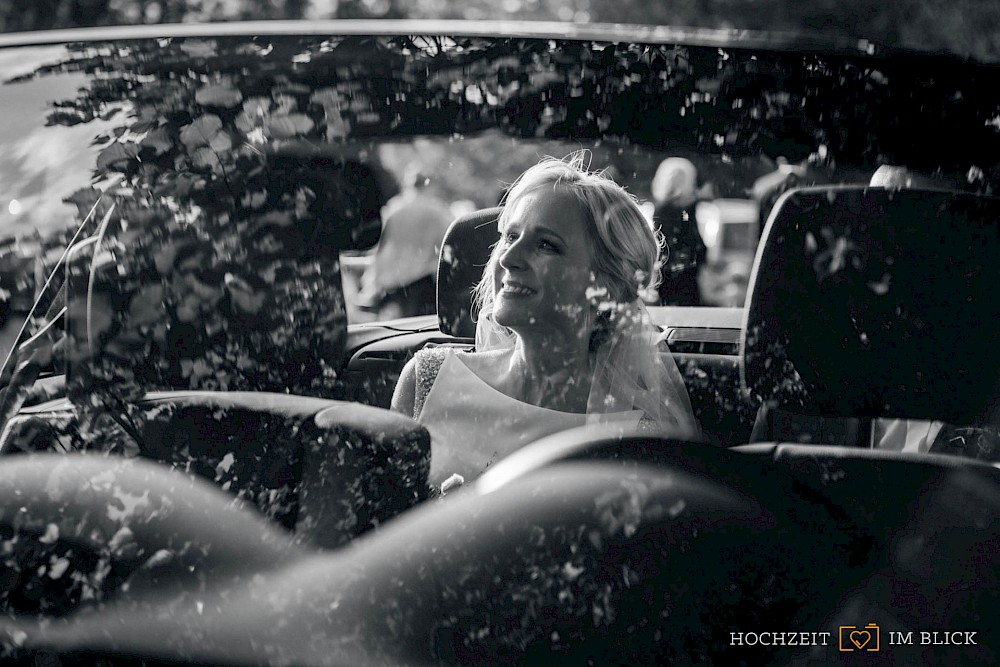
508 332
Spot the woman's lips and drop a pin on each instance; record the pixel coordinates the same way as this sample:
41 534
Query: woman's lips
516 289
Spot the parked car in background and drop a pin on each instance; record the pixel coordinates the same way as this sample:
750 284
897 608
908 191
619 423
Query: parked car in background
731 229
220 189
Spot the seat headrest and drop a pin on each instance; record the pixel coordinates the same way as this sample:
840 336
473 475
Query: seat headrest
877 302
464 253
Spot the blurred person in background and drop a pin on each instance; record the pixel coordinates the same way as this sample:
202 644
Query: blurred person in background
401 279
768 188
676 193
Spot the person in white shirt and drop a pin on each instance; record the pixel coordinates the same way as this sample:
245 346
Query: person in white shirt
401 279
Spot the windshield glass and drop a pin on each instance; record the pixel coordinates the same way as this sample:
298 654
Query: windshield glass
215 156
741 126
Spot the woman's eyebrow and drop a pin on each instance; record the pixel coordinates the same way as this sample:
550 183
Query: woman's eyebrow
551 232
510 224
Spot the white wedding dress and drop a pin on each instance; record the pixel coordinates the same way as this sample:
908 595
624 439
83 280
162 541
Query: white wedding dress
473 425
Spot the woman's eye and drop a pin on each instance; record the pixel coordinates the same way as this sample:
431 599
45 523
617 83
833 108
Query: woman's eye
510 238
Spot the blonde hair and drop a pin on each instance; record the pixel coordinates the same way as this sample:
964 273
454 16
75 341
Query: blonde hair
625 247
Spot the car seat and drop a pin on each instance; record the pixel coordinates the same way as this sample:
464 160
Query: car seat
465 251
868 303
215 348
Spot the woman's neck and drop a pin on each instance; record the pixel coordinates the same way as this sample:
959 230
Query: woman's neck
552 374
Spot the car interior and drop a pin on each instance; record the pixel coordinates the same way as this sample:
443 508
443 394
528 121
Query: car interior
878 519
887 515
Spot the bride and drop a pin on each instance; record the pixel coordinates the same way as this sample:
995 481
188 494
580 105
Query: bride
563 337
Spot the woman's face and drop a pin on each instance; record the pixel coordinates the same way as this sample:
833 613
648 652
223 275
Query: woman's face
545 266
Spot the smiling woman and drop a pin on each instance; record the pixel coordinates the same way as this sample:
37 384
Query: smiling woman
563 337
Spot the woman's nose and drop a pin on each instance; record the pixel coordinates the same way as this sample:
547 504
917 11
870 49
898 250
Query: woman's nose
513 256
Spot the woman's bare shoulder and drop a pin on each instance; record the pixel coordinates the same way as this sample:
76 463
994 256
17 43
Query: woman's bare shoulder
422 371
416 379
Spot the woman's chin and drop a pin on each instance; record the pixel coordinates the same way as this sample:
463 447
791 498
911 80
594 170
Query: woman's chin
509 320
515 319
506 313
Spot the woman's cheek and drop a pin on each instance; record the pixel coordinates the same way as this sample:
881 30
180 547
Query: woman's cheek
576 290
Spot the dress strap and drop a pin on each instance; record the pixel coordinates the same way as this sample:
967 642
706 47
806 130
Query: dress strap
429 361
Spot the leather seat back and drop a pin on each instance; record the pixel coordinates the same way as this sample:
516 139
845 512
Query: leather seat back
871 302
327 469
464 253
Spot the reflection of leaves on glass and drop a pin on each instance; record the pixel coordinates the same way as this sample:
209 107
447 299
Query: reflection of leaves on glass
201 132
244 297
159 140
116 156
255 110
332 102
839 253
198 48
732 101
290 125
218 96
222 261
881 287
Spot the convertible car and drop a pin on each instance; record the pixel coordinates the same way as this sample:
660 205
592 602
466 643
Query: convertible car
212 332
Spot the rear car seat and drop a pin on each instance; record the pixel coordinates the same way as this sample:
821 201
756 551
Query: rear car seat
215 348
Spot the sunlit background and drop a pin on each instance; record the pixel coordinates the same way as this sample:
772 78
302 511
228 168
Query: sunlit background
967 27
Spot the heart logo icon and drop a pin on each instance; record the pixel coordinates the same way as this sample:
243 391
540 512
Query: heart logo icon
860 638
